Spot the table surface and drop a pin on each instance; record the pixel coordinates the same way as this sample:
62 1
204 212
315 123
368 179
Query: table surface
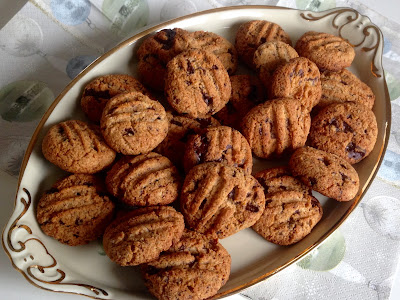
13 285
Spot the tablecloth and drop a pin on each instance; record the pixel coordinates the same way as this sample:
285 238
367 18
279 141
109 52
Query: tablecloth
48 42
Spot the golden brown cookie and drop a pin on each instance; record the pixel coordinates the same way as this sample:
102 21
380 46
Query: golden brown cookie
221 47
194 268
247 92
180 129
97 93
276 126
342 86
327 51
269 56
347 129
144 180
288 217
218 144
132 123
252 34
280 179
75 210
221 200
299 78
139 236
325 173
197 84
77 147
156 51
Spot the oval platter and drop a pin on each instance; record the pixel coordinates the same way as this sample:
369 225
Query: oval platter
86 270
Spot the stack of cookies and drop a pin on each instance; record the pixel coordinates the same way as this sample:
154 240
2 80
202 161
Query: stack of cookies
163 179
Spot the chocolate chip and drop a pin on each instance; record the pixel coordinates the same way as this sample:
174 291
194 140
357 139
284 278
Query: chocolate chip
252 208
325 161
207 99
355 152
97 94
344 176
200 149
347 128
301 73
232 193
169 41
335 123
228 147
78 222
61 130
314 202
214 67
129 132
190 69
343 82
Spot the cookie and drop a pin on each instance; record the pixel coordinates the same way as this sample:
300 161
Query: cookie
77 147
252 34
180 129
269 56
276 127
289 216
97 93
139 236
327 51
195 268
218 144
299 78
197 84
280 179
342 86
133 124
156 51
347 129
325 173
247 92
75 210
220 200
144 180
221 47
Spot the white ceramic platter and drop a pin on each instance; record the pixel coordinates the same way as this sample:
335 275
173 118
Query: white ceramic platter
85 269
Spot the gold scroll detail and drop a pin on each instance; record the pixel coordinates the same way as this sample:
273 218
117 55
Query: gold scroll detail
40 268
366 32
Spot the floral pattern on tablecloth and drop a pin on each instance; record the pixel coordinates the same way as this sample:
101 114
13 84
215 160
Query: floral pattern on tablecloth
35 69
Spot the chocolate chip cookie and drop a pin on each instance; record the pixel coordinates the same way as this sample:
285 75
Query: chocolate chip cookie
144 180
327 51
342 86
195 268
252 34
221 200
299 78
288 217
218 144
132 123
180 129
269 56
325 173
156 51
77 147
276 126
139 236
197 84
247 92
221 47
97 93
75 210
347 129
